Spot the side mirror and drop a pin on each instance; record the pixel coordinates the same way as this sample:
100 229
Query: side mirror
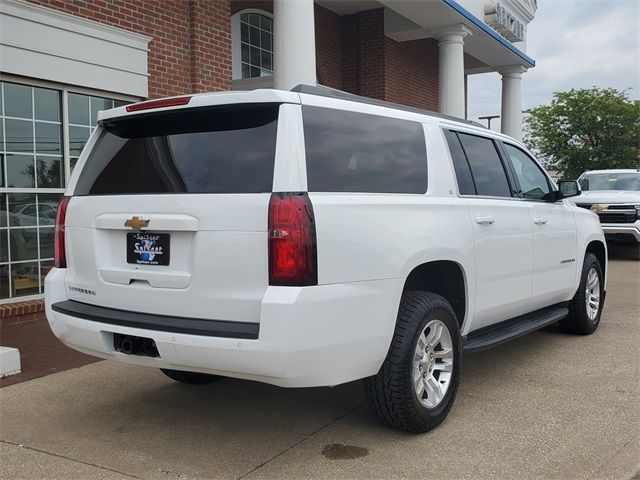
569 188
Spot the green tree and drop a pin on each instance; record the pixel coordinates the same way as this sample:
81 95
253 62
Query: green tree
586 129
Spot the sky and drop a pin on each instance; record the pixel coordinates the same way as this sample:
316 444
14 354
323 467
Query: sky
576 44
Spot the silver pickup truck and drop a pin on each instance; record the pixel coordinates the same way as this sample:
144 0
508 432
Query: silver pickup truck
615 196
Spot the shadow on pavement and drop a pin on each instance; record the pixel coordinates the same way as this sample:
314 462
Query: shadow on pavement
620 251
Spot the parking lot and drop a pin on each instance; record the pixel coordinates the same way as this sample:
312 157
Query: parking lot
547 405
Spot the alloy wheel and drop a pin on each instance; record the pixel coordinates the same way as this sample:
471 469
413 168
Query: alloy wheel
432 364
592 294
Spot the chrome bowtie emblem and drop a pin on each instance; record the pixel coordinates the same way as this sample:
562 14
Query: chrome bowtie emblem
136 223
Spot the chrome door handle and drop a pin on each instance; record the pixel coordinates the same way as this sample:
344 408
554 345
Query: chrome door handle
485 220
540 220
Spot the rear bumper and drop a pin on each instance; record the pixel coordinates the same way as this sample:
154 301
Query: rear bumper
631 230
310 336
163 323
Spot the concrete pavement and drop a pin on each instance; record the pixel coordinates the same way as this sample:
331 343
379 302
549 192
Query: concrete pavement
546 406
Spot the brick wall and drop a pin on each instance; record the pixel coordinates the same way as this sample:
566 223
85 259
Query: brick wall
238 5
210 45
350 70
329 47
181 59
379 67
411 73
191 47
371 53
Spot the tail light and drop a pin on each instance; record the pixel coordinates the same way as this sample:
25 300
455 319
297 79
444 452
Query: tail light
59 255
293 259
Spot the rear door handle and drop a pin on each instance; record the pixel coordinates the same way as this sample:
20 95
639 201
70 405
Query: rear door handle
540 220
486 220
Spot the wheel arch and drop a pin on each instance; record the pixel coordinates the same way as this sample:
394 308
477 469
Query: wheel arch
443 277
599 249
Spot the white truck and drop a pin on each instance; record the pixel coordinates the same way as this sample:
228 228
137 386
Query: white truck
614 195
311 238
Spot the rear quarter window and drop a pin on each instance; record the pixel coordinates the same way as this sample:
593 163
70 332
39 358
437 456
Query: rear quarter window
207 150
356 152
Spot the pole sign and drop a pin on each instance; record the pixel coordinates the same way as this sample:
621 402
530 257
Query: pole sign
504 22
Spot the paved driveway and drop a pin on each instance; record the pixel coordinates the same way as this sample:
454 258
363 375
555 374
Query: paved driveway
545 406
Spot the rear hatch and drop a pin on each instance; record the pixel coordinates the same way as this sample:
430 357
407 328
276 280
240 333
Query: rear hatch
169 213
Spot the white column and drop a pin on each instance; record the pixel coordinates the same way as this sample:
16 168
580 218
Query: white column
451 70
511 115
294 43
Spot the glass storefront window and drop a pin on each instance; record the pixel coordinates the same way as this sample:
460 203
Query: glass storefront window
26 241
34 142
83 117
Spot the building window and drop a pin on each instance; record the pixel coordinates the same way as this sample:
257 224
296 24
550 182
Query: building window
252 44
83 116
38 149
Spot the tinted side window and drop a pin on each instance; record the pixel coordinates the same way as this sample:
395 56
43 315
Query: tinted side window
221 150
460 164
486 167
355 152
533 182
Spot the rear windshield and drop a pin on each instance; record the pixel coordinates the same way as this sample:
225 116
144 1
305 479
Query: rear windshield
208 150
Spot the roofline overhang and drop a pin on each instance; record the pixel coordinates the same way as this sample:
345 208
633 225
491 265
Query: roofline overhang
529 62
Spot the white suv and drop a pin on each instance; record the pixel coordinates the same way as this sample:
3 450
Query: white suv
311 238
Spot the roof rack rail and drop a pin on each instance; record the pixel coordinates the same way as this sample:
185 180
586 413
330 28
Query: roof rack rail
323 91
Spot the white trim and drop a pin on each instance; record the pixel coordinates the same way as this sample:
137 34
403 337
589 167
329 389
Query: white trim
4 190
72 23
44 43
236 39
52 53
36 82
523 9
24 298
66 150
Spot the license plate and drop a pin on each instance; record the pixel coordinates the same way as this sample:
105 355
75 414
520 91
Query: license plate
146 248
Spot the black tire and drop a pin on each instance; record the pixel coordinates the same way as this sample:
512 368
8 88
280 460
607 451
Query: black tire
390 393
193 378
578 321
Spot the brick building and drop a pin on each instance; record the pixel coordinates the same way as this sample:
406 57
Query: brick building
61 61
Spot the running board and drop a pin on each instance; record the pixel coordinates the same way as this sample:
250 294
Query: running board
493 335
